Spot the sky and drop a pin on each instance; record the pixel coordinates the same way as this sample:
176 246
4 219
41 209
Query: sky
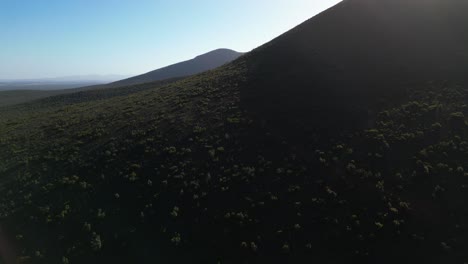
54 38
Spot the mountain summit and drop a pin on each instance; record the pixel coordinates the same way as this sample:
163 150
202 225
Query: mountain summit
201 63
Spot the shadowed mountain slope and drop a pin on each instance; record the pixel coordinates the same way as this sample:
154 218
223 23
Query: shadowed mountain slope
356 55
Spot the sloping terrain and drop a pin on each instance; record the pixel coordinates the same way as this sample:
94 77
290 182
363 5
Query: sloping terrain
16 97
17 92
289 154
82 95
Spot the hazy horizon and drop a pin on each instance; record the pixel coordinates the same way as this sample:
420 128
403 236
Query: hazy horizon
105 38
71 78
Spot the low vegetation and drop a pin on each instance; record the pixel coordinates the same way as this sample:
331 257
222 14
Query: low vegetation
184 173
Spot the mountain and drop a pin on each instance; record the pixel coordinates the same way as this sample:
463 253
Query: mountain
342 141
201 63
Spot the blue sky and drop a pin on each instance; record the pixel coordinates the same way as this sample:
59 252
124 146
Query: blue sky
51 38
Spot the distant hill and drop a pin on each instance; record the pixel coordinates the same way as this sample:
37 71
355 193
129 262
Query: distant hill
345 140
204 62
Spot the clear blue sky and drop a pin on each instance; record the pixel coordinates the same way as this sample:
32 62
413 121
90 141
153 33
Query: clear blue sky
51 38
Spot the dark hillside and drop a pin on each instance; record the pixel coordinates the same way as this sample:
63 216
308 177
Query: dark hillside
307 150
